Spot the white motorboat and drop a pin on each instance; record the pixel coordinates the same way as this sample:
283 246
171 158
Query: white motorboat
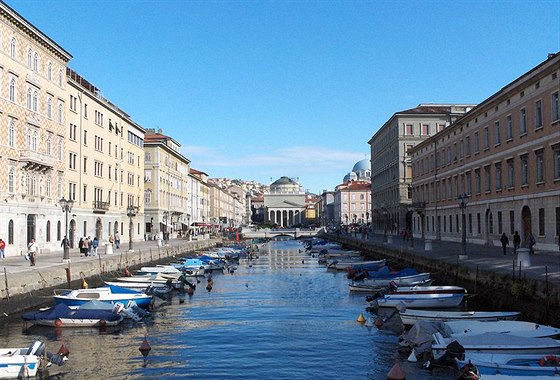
399 281
16 363
515 366
421 300
517 328
366 288
110 294
410 317
166 269
494 342
345 263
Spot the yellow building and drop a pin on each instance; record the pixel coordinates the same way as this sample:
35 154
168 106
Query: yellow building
33 119
105 166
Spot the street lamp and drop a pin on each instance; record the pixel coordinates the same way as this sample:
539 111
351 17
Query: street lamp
463 199
130 212
66 206
165 216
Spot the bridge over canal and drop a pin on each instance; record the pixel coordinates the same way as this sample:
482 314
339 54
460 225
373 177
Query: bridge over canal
271 233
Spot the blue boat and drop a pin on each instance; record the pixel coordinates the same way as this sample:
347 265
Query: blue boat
62 315
110 294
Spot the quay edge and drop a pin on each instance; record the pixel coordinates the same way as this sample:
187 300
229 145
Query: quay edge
497 285
28 289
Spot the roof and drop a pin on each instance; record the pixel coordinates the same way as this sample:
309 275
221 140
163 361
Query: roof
284 181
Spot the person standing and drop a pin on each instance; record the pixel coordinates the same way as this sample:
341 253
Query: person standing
94 246
516 241
118 240
531 242
505 242
2 248
85 247
32 251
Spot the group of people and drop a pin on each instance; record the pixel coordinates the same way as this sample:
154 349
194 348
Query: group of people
529 242
87 246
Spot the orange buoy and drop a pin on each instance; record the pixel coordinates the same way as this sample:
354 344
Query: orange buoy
58 322
378 322
63 350
102 323
190 291
209 287
396 373
361 318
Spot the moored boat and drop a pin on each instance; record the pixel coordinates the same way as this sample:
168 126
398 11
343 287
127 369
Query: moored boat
356 286
61 315
421 300
411 316
110 294
24 362
529 365
517 328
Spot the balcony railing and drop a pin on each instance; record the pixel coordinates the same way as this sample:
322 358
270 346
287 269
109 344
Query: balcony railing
35 160
99 206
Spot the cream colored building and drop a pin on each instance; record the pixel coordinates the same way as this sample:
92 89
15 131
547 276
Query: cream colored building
104 166
33 122
285 203
391 169
504 155
166 187
199 204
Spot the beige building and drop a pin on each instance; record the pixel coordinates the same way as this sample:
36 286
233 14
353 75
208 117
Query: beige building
391 168
504 156
33 121
104 166
166 187
285 203
199 205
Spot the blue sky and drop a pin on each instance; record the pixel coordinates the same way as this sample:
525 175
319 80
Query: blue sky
256 90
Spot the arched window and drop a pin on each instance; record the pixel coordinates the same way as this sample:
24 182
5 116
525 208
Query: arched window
28 99
11 232
49 108
13 48
35 101
34 137
58 231
85 228
49 71
12 89
49 187
49 145
29 55
59 150
60 77
59 188
11 180
12 133
60 113
36 62
48 230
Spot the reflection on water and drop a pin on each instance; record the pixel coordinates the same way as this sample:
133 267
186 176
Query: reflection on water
279 316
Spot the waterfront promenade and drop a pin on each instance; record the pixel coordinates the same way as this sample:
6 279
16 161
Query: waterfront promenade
486 258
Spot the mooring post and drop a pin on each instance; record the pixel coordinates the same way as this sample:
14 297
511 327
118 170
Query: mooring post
6 281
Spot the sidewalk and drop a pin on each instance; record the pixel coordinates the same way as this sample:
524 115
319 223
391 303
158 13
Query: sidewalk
487 258
19 264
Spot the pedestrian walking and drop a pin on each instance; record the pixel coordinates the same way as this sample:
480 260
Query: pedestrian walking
65 242
94 246
118 240
531 242
505 242
81 246
516 241
90 246
85 246
2 248
32 252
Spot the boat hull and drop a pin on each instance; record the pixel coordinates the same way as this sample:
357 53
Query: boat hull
410 317
433 300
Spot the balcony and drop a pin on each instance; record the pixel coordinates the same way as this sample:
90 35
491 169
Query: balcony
36 161
100 207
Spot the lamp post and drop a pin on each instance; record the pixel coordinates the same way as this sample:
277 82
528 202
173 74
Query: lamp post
66 206
165 216
130 212
462 200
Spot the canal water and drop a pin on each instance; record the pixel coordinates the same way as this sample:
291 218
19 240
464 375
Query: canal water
279 316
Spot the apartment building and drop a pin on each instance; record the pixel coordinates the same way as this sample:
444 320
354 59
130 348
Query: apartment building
33 120
166 187
503 158
104 166
391 168
199 205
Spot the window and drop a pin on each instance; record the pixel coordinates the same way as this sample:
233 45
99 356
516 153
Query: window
487 179
85 137
28 99
522 121
524 170
13 48
60 75
73 132
538 114
11 180
408 130
555 108
29 58
130 180
476 143
35 105
98 169
49 187
539 161
497 133
477 181
85 165
49 107
491 223
84 193
478 223
425 129
486 138
35 62
556 154
72 160
500 229
72 191
11 232
509 127
11 132
60 113
468 179
511 222
470 223
49 71
59 150
48 230
58 231
12 90
468 145
511 173
541 222
49 145
499 176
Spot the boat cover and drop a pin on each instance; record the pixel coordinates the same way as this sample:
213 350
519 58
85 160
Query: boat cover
63 311
385 272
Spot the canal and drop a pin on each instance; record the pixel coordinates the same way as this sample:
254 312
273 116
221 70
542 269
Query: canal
279 316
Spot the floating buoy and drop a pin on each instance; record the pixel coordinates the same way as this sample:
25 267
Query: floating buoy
126 272
145 348
84 284
190 291
58 322
396 373
378 322
63 350
209 287
361 318
102 323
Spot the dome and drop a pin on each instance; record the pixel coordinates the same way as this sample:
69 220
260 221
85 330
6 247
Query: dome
284 185
283 181
362 165
350 177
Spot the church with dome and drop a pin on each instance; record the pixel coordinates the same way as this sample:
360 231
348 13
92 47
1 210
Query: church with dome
285 203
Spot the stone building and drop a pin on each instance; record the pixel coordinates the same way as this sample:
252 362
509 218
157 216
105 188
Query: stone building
285 203
503 158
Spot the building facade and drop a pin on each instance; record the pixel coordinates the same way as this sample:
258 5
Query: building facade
285 203
33 121
105 166
503 157
166 187
391 168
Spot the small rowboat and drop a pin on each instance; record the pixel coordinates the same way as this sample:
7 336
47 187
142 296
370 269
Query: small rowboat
410 317
514 365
